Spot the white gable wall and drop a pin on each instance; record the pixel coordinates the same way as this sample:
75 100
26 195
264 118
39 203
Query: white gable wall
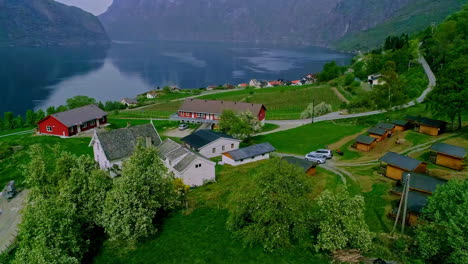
229 161
195 175
215 148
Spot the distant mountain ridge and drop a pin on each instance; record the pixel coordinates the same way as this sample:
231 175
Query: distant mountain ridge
318 22
48 23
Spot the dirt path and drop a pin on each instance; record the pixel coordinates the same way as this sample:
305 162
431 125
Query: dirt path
340 95
345 140
10 218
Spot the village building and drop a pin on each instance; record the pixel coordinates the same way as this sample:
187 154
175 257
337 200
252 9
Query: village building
247 155
129 102
274 83
365 143
387 126
151 95
255 83
113 147
309 167
379 133
210 143
211 87
393 165
210 111
427 126
192 168
296 83
415 204
419 182
448 155
72 122
375 79
243 85
401 125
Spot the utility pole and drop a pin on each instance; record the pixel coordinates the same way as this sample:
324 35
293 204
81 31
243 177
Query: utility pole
403 203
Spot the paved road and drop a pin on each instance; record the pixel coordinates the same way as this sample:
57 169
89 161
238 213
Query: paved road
18 133
288 124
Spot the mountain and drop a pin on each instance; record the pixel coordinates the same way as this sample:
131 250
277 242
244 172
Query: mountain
48 23
319 22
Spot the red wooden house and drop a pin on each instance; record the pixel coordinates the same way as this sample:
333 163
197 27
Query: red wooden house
72 122
209 111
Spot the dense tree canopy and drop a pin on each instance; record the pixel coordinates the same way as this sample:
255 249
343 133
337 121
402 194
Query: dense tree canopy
276 212
242 125
79 100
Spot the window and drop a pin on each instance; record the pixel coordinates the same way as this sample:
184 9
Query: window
72 129
232 146
223 148
241 160
199 115
197 166
85 125
213 150
93 122
49 128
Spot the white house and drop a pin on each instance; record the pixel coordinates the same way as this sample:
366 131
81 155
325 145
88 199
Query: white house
248 154
151 95
111 148
375 79
210 143
129 102
193 169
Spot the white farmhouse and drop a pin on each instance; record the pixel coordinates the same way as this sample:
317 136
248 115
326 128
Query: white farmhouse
192 168
248 154
111 148
210 143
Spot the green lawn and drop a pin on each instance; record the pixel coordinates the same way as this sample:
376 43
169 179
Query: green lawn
307 138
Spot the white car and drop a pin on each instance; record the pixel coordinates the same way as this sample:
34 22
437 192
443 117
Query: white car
183 127
326 153
315 158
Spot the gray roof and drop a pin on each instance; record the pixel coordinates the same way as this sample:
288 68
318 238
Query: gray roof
422 181
400 122
401 161
365 139
204 137
252 151
377 131
416 201
450 150
174 151
120 143
130 101
386 126
426 121
302 163
79 115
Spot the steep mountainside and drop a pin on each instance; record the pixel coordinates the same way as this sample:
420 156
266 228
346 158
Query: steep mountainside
47 23
319 22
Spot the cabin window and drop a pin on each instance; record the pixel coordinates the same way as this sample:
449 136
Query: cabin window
213 150
49 128
223 147
232 146
93 122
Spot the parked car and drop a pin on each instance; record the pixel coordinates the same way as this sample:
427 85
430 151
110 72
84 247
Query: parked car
326 153
315 158
183 127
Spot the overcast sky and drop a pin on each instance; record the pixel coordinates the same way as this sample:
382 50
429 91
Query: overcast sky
96 7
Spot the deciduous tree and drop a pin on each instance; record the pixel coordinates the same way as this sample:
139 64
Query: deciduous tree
79 100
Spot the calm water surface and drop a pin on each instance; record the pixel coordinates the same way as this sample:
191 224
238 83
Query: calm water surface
32 78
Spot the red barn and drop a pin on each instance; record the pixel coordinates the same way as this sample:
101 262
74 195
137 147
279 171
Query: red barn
72 122
209 111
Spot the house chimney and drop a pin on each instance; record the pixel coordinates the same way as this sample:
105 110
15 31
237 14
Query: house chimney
148 142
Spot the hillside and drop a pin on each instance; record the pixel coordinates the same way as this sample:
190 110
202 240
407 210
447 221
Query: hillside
413 18
47 23
318 22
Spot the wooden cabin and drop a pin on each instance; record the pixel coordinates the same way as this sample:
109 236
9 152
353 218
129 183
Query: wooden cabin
419 183
396 164
449 156
387 126
401 125
379 133
309 167
427 126
365 143
416 202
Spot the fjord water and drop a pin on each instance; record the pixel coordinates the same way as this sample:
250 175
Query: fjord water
33 78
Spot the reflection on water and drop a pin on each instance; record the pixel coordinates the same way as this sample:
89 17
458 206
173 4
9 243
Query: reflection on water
40 77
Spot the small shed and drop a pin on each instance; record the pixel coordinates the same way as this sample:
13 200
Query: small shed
365 143
387 126
309 167
448 155
248 154
422 183
401 125
396 164
379 133
416 202
427 126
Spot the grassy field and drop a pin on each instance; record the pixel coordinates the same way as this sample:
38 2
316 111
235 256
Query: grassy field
307 138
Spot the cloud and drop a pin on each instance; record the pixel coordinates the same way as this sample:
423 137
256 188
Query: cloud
96 7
